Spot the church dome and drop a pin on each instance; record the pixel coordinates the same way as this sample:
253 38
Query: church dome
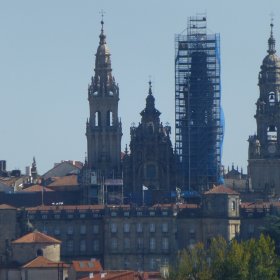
102 48
271 61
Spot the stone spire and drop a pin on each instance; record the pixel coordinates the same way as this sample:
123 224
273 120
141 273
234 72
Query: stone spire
271 42
103 82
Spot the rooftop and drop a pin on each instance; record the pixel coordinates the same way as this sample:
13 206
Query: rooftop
36 237
41 261
221 190
87 266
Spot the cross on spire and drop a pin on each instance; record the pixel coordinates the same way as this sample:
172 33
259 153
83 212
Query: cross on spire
102 12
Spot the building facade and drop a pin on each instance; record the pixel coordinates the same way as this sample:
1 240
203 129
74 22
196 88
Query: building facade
264 147
131 237
151 162
198 112
103 129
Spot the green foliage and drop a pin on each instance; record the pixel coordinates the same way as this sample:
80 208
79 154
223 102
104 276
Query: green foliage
247 260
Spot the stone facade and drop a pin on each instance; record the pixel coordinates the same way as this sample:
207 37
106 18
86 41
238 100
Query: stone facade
151 161
139 238
103 129
9 230
264 148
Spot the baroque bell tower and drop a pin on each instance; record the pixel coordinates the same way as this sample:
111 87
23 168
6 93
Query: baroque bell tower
103 129
264 148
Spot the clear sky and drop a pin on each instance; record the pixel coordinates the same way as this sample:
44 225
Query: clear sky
47 54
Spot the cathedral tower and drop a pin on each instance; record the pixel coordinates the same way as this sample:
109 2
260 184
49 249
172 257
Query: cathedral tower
103 129
264 148
151 162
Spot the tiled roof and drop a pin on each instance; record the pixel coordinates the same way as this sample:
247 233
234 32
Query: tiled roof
41 261
70 180
36 237
112 275
66 207
6 206
87 266
36 188
221 190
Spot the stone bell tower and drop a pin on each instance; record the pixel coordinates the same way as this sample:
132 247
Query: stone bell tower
264 148
103 129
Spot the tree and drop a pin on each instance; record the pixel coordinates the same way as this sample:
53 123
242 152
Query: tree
247 260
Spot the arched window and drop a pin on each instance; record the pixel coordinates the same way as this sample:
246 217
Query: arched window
272 133
97 118
109 118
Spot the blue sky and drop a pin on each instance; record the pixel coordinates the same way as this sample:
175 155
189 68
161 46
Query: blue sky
47 52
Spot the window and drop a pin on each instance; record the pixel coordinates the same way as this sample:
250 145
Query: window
70 230
233 206
113 214
114 228
82 215
44 216
83 229
109 118
126 214
152 243
95 229
126 227
272 133
97 119
126 243
152 264
70 216
251 228
152 227
82 245
140 243
39 252
69 245
126 263
139 227
165 243
57 216
114 243
96 245
271 98
164 227
57 231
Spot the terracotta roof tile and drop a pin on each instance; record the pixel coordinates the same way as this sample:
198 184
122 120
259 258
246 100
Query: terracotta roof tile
6 206
112 275
36 237
221 190
36 188
41 261
87 266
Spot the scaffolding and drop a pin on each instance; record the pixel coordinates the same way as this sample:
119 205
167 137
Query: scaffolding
199 120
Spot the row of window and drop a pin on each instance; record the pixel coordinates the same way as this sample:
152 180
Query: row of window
140 213
82 229
46 215
139 227
115 243
82 246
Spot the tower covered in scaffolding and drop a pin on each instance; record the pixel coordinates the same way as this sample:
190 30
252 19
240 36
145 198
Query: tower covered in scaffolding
199 121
